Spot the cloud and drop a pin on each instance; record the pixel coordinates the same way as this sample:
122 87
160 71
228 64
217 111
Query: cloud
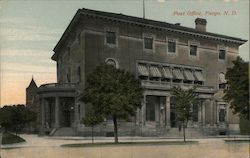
7 67
16 28
29 53
24 34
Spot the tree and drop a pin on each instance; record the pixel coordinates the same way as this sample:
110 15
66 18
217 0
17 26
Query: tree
113 93
184 101
237 93
91 120
6 117
15 117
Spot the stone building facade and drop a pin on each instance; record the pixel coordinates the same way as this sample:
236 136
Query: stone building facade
161 54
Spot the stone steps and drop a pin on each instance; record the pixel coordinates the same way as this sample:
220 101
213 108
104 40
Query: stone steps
64 131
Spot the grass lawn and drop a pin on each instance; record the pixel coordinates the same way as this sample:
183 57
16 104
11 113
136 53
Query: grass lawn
9 138
131 143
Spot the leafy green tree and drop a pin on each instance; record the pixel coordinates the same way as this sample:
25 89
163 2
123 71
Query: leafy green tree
16 117
91 120
184 99
237 93
6 117
113 93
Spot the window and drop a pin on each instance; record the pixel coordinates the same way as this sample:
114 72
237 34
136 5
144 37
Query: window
222 54
193 50
222 81
69 76
148 42
195 111
171 46
79 74
150 108
222 115
110 37
111 62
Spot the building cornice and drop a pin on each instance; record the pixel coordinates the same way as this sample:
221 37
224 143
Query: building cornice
144 23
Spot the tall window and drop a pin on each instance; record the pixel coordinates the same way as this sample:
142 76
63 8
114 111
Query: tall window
222 115
79 74
171 46
222 81
222 54
193 50
150 108
69 76
195 111
148 42
110 37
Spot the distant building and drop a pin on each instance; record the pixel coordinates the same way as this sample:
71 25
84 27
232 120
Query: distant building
161 54
31 95
32 103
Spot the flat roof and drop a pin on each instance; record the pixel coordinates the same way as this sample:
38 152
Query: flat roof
147 23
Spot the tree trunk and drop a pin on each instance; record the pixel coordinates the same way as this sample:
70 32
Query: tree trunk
115 129
92 134
184 134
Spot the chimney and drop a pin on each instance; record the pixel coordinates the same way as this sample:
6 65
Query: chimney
200 24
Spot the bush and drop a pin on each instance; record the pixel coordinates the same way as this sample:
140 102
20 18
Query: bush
244 126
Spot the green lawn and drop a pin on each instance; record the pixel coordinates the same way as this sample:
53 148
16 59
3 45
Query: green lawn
9 138
130 143
238 141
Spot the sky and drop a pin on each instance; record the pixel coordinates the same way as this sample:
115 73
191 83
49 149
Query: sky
29 30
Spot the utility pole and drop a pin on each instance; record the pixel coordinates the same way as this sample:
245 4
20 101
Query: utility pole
143 9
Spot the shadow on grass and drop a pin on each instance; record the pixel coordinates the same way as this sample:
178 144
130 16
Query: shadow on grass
238 141
9 138
130 143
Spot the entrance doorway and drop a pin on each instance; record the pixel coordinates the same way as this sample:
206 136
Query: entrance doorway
155 109
67 111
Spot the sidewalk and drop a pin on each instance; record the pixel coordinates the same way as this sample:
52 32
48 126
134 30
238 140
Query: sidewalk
38 141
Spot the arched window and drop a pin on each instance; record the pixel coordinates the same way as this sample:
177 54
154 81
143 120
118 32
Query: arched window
112 62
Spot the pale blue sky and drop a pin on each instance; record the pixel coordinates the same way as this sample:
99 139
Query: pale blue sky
29 31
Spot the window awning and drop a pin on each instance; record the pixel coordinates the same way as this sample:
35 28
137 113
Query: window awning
154 71
167 73
198 76
177 74
142 70
189 75
222 78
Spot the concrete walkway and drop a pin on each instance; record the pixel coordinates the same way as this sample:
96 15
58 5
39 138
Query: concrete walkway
45 141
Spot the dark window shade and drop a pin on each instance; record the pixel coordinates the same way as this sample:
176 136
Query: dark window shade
193 50
171 46
111 37
148 42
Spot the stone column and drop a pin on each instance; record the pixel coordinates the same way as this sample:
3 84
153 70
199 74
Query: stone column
200 113
168 124
203 114
57 102
42 107
143 110
76 112
211 112
137 116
